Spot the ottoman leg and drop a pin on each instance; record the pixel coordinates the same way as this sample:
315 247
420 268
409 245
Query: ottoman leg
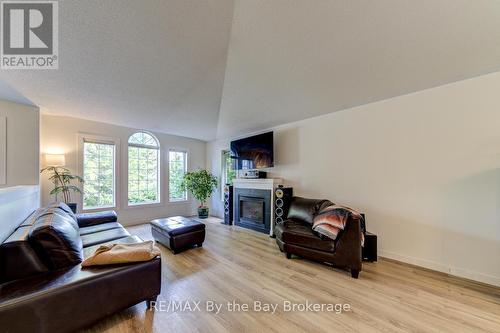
199 244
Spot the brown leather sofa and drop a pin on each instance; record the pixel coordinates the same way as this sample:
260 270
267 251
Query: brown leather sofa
295 236
43 286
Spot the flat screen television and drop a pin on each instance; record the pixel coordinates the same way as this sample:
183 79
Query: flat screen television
255 152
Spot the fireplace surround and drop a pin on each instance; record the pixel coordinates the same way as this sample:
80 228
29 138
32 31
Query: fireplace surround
253 203
252 209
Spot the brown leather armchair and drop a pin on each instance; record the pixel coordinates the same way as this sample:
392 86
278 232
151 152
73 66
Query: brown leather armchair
295 236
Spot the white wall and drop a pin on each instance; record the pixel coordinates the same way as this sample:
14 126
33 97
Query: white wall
22 143
59 135
16 204
424 167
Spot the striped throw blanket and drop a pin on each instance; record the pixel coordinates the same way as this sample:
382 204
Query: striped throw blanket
331 220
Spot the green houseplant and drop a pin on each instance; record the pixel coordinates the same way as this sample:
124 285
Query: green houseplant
62 179
201 184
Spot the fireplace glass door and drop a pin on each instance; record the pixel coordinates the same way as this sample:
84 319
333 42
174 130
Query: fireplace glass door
252 210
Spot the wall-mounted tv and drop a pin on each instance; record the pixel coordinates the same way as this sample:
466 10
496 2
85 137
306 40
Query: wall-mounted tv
255 152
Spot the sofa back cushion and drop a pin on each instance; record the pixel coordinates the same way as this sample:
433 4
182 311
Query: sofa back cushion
18 258
305 210
65 208
56 239
58 208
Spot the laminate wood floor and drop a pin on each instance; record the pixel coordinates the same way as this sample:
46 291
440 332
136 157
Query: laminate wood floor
243 266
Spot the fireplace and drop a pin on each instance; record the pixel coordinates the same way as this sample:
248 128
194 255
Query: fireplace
252 209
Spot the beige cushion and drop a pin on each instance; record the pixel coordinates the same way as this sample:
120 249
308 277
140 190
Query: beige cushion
122 253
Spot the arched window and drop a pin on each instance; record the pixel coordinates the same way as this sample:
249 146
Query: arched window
143 169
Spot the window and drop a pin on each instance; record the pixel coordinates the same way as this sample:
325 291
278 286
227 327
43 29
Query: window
143 169
99 175
177 161
227 170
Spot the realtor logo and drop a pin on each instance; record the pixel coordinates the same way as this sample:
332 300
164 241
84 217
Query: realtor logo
29 32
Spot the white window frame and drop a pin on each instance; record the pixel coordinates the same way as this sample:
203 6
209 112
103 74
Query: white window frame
223 172
153 203
82 138
186 168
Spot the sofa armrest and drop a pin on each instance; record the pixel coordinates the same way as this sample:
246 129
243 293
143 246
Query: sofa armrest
42 303
90 219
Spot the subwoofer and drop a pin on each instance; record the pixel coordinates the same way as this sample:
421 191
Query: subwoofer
282 198
228 204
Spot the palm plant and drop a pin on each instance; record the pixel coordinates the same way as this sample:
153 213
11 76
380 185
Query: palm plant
62 179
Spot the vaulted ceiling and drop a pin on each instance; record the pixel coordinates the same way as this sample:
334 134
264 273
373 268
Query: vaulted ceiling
152 64
218 68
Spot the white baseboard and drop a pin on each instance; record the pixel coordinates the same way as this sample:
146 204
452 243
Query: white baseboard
456 271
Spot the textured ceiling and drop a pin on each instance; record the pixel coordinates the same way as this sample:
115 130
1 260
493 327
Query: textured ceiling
165 65
151 64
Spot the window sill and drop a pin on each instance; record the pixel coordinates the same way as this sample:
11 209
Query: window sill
144 205
98 209
179 202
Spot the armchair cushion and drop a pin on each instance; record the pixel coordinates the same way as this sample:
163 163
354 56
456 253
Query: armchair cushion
90 219
298 233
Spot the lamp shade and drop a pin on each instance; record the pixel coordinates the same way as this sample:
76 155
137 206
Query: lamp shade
55 160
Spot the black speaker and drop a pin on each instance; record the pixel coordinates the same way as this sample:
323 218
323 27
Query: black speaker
282 199
228 204
370 248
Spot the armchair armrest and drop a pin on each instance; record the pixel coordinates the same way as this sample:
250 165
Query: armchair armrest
90 219
348 245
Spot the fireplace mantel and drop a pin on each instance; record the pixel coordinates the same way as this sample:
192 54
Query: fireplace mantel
258 184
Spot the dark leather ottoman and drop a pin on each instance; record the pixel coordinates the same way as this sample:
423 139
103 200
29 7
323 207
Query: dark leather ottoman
178 233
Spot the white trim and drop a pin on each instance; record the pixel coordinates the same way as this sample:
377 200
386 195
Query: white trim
186 169
262 184
96 209
85 137
159 202
142 204
436 266
174 201
142 145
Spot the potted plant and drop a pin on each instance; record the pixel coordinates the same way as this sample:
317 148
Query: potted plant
201 184
62 179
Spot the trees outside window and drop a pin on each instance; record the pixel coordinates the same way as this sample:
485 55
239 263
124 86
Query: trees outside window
177 161
228 173
98 175
143 169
